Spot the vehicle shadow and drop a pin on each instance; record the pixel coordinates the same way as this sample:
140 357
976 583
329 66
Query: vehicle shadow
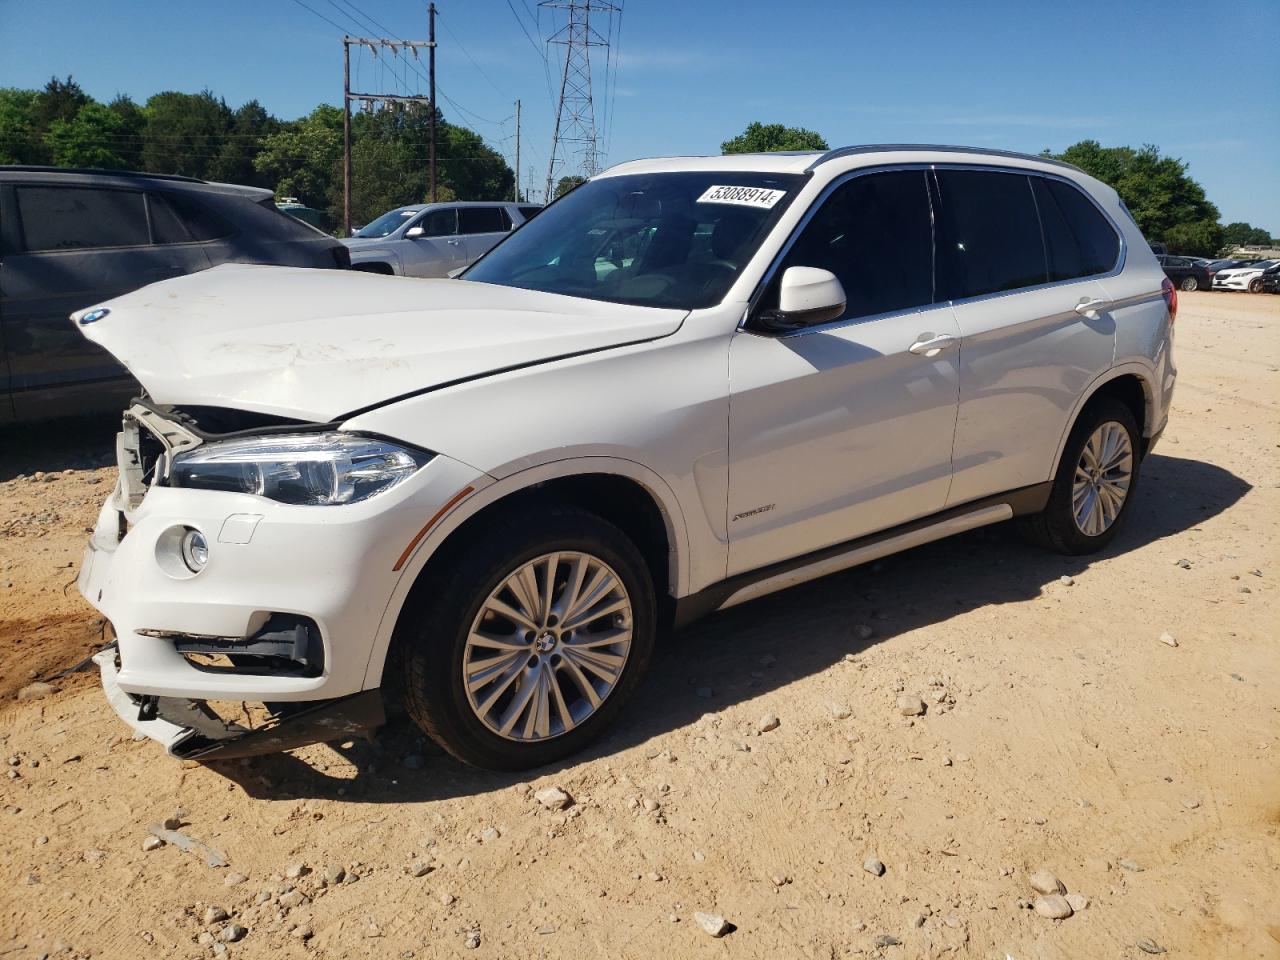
73 443
803 631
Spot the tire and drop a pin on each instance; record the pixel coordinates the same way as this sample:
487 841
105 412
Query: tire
1255 286
435 640
1188 284
1057 527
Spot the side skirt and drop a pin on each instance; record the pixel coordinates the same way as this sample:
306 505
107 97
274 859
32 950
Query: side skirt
789 573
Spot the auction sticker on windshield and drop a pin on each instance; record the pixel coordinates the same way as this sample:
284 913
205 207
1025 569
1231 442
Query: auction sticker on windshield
760 197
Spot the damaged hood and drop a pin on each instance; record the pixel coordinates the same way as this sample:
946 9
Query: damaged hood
317 344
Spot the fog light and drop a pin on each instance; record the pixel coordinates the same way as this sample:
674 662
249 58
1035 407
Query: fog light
195 550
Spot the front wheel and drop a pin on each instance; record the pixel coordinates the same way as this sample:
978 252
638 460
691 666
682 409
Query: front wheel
1255 286
1095 482
1189 283
527 648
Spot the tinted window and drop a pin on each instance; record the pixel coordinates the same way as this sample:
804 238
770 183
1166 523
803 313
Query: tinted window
989 238
201 222
76 218
529 212
1097 242
874 233
439 223
480 220
166 227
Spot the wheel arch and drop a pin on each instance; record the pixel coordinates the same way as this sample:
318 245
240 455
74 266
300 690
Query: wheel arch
1131 384
627 494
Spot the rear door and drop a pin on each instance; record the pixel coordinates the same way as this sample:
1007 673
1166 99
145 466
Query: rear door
76 246
1017 253
481 228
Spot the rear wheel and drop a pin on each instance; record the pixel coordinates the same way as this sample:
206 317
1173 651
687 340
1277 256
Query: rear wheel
528 647
1188 284
1095 483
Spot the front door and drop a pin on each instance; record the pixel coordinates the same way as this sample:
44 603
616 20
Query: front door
438 249
844 429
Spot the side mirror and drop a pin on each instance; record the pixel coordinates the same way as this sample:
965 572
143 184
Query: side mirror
806 296
414 232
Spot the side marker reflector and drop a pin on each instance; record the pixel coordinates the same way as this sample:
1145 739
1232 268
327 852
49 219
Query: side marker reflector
453 502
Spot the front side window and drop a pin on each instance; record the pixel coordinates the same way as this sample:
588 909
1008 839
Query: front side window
81 218
480 220
875 234
659 240
989 234
439 223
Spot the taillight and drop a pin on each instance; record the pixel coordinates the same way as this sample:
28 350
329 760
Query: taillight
1170 293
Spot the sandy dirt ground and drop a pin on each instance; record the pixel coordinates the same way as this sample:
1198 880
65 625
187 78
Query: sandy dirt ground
1061 733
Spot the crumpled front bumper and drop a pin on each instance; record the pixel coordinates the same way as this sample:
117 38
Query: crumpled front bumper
190 732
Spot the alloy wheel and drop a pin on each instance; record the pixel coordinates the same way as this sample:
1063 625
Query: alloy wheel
1103 475
548 646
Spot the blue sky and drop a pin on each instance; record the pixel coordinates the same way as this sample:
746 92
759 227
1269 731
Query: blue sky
1196 79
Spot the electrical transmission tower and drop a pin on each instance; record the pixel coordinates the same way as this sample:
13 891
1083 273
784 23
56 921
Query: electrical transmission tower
576 143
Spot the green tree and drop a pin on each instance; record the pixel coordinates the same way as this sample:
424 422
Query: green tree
1241 234
59 100
772 137
565 184
92 138
18 140
1168 205
185 133
303 159
129 138
249 126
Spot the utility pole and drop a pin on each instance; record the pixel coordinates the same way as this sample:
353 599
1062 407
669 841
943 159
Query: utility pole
431 74
575 112
368 99
346 136
517 184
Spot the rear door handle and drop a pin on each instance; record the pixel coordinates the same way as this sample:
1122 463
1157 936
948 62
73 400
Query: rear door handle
453 243
929 345
1089 307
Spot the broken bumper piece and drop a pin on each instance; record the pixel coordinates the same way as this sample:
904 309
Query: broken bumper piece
189 730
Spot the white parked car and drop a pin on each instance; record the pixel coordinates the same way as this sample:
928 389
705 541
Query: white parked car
434 239
1243 278
686 384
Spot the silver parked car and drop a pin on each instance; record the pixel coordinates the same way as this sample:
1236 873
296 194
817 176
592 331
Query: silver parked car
434 239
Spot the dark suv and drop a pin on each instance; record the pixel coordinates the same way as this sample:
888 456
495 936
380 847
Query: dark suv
72 238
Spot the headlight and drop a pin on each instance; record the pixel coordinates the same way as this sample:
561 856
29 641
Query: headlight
319 469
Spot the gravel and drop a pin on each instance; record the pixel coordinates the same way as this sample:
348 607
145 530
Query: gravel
1054 906
873 867
910 706
1043 881
553 798
768 722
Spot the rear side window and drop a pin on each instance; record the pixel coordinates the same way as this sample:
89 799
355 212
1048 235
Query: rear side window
874 234
989 234
481 220
81 218
529 212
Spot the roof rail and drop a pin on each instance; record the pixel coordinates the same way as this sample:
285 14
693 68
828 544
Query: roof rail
932 148
36 168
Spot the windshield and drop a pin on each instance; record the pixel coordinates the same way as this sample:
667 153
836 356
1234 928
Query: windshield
656 240
385 224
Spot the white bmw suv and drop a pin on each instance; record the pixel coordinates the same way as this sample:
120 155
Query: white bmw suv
688 383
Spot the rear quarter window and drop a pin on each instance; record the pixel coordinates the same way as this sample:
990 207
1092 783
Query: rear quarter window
1098 243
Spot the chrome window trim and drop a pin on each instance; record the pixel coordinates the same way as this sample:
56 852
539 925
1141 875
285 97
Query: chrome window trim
841 179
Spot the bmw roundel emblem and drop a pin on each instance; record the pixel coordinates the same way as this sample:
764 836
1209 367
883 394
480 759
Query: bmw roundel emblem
93 316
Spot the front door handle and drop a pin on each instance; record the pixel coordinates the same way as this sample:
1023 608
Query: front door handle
930 346
1089 307
453 243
